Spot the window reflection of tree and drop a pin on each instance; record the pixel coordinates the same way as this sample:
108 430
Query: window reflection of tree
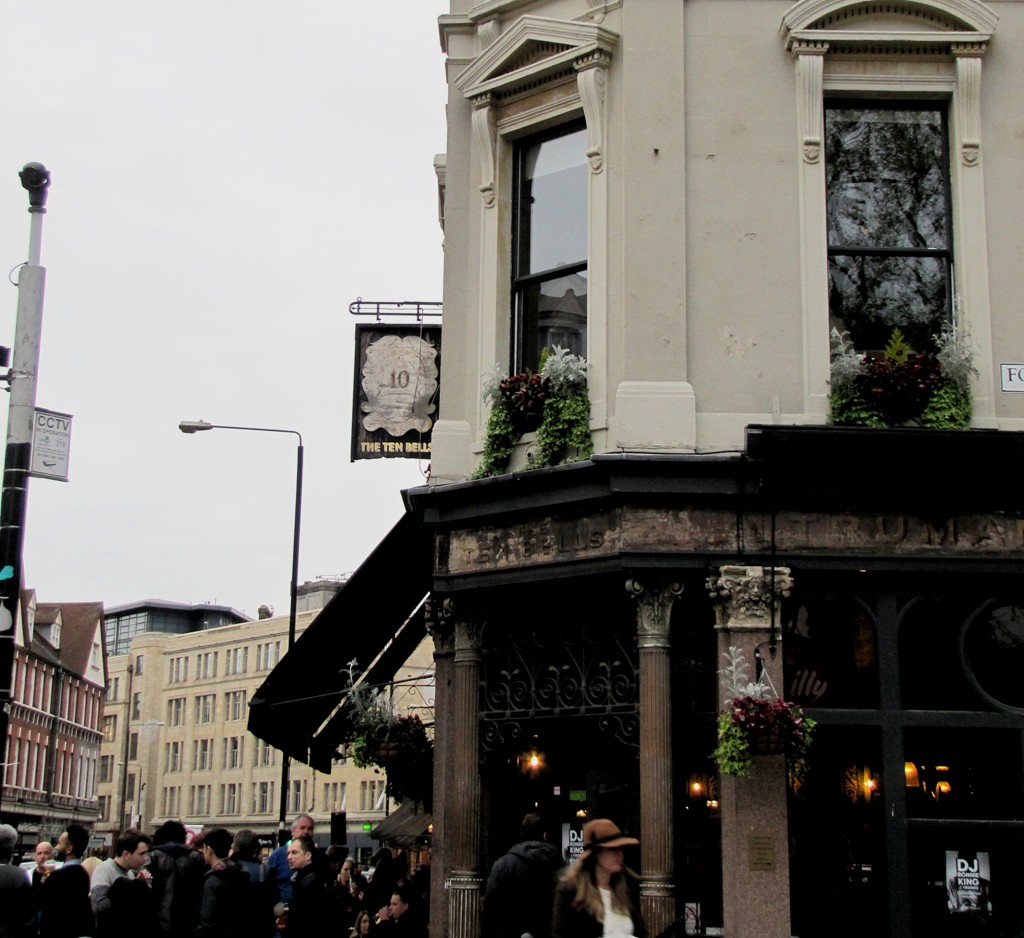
888 219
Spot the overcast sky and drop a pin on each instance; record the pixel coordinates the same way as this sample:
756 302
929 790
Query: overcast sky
228 175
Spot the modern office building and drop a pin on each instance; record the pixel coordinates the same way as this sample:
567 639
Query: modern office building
176 745
53 743
123 623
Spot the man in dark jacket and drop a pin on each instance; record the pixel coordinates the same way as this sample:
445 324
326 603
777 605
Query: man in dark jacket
521 887
308 909
63 899
15 890
177 873
227 903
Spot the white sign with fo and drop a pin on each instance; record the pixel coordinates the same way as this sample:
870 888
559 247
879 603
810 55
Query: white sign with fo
1012 377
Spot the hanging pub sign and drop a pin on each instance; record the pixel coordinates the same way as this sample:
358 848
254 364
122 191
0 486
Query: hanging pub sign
397 392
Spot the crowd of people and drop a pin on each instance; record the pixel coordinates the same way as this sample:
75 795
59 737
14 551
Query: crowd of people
216 885
213 884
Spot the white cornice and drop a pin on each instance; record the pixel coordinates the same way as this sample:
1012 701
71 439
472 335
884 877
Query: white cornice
451 24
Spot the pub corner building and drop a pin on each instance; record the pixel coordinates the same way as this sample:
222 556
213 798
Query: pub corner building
787 241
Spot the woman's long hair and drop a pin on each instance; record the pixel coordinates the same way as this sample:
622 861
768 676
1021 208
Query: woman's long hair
356 931
588 897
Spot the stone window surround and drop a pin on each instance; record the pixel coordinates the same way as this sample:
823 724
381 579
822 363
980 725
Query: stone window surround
536 75
927 49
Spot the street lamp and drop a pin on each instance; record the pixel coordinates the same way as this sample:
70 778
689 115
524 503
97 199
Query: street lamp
21 383
197 426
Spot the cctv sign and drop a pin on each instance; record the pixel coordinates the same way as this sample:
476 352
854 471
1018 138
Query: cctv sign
51 444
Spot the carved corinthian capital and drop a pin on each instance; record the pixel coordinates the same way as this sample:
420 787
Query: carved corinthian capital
743 595
653 611
440 625
469 622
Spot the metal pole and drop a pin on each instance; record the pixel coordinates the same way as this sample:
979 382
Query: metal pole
197 426
282 820
124 764
17 456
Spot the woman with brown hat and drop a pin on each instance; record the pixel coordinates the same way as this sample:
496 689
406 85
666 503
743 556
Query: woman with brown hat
593 898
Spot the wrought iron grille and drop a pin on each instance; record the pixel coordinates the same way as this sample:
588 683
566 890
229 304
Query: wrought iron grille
567 670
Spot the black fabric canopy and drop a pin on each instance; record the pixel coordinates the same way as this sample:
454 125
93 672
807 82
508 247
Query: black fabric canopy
373 608
404 827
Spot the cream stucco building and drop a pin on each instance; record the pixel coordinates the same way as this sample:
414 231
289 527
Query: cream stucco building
693 195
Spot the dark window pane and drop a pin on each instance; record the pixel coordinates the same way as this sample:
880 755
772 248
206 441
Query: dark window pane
993 653
831 653
553 312
963 773
888 215
932 675
553 204
550 251
869 295
886 178
837 831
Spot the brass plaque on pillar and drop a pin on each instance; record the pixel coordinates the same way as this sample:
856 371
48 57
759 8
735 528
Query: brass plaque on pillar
762 853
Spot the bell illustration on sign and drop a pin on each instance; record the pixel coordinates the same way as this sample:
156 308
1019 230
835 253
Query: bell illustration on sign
399 381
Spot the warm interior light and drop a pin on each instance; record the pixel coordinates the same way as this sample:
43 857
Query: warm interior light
912 777
696 788
942 788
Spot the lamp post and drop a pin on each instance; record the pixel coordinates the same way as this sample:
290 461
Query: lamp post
197 426
18 453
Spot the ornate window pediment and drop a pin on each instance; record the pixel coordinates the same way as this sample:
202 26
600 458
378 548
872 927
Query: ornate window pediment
533 52
878 25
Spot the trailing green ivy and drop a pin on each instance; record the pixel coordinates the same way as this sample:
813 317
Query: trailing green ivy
949 407
564 433
559 392
499 440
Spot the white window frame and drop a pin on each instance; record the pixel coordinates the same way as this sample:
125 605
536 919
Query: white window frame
516 93
841 50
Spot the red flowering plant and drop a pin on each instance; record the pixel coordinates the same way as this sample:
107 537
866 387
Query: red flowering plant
754 723
899 386
524 395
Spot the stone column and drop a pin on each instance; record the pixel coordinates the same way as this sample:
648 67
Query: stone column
464 882
755 836
442 630
657 888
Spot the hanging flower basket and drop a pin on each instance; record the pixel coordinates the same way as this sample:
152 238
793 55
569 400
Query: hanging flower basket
767 742
755 724
397 745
